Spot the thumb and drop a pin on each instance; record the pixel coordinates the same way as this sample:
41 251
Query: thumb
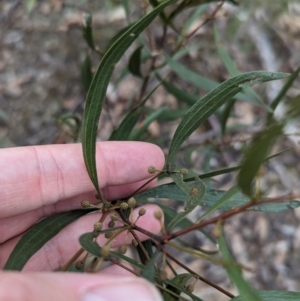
16 286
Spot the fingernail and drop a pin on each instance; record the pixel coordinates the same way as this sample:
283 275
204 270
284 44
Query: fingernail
126 291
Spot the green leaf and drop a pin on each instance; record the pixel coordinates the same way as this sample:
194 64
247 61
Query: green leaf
170 115
233 71
134 64
180 287
224 56
283 91
30 5
163 16
126 6
255 155
126 126
180 94
208 104
273 296
226 113
96 94
226 197
66 119
173 192
190 76
194 194
147 245
40 233
235 275
136 134
149 271
195 16
87 243
205 83
87 31
180 279
86 72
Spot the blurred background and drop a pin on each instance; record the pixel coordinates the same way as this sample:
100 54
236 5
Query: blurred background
42 97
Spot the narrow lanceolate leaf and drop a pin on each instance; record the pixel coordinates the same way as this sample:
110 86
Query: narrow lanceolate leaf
180 279
87 31
208 104
126 126
99 85
91 246
134 64
283 91
169 115
205 83
211 198
179 94
246 291
86 72
273 296
233 71
194 194
34 239
181 288
226 197
254 157
149 271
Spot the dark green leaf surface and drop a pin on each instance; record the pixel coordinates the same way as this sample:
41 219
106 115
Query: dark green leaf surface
226 197
99 85
170 115
147 245
87 31
162 15
180 94
194 194
273 296
235 275
181 287
255 156
134 64
226 114
180 279
34 239
149 271
87 243
208 104
173 192
86 72
283 91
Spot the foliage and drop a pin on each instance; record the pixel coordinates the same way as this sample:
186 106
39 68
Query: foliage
186 187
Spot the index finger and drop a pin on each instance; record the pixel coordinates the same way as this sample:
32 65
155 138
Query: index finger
36 176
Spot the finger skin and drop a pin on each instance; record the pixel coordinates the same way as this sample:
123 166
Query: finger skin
74 287
38 176
11 226
56 252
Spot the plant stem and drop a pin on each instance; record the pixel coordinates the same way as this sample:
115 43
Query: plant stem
200 277
229 214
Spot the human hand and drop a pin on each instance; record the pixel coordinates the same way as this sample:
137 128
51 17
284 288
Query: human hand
39 181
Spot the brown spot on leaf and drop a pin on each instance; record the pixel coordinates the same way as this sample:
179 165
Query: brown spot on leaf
195 191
